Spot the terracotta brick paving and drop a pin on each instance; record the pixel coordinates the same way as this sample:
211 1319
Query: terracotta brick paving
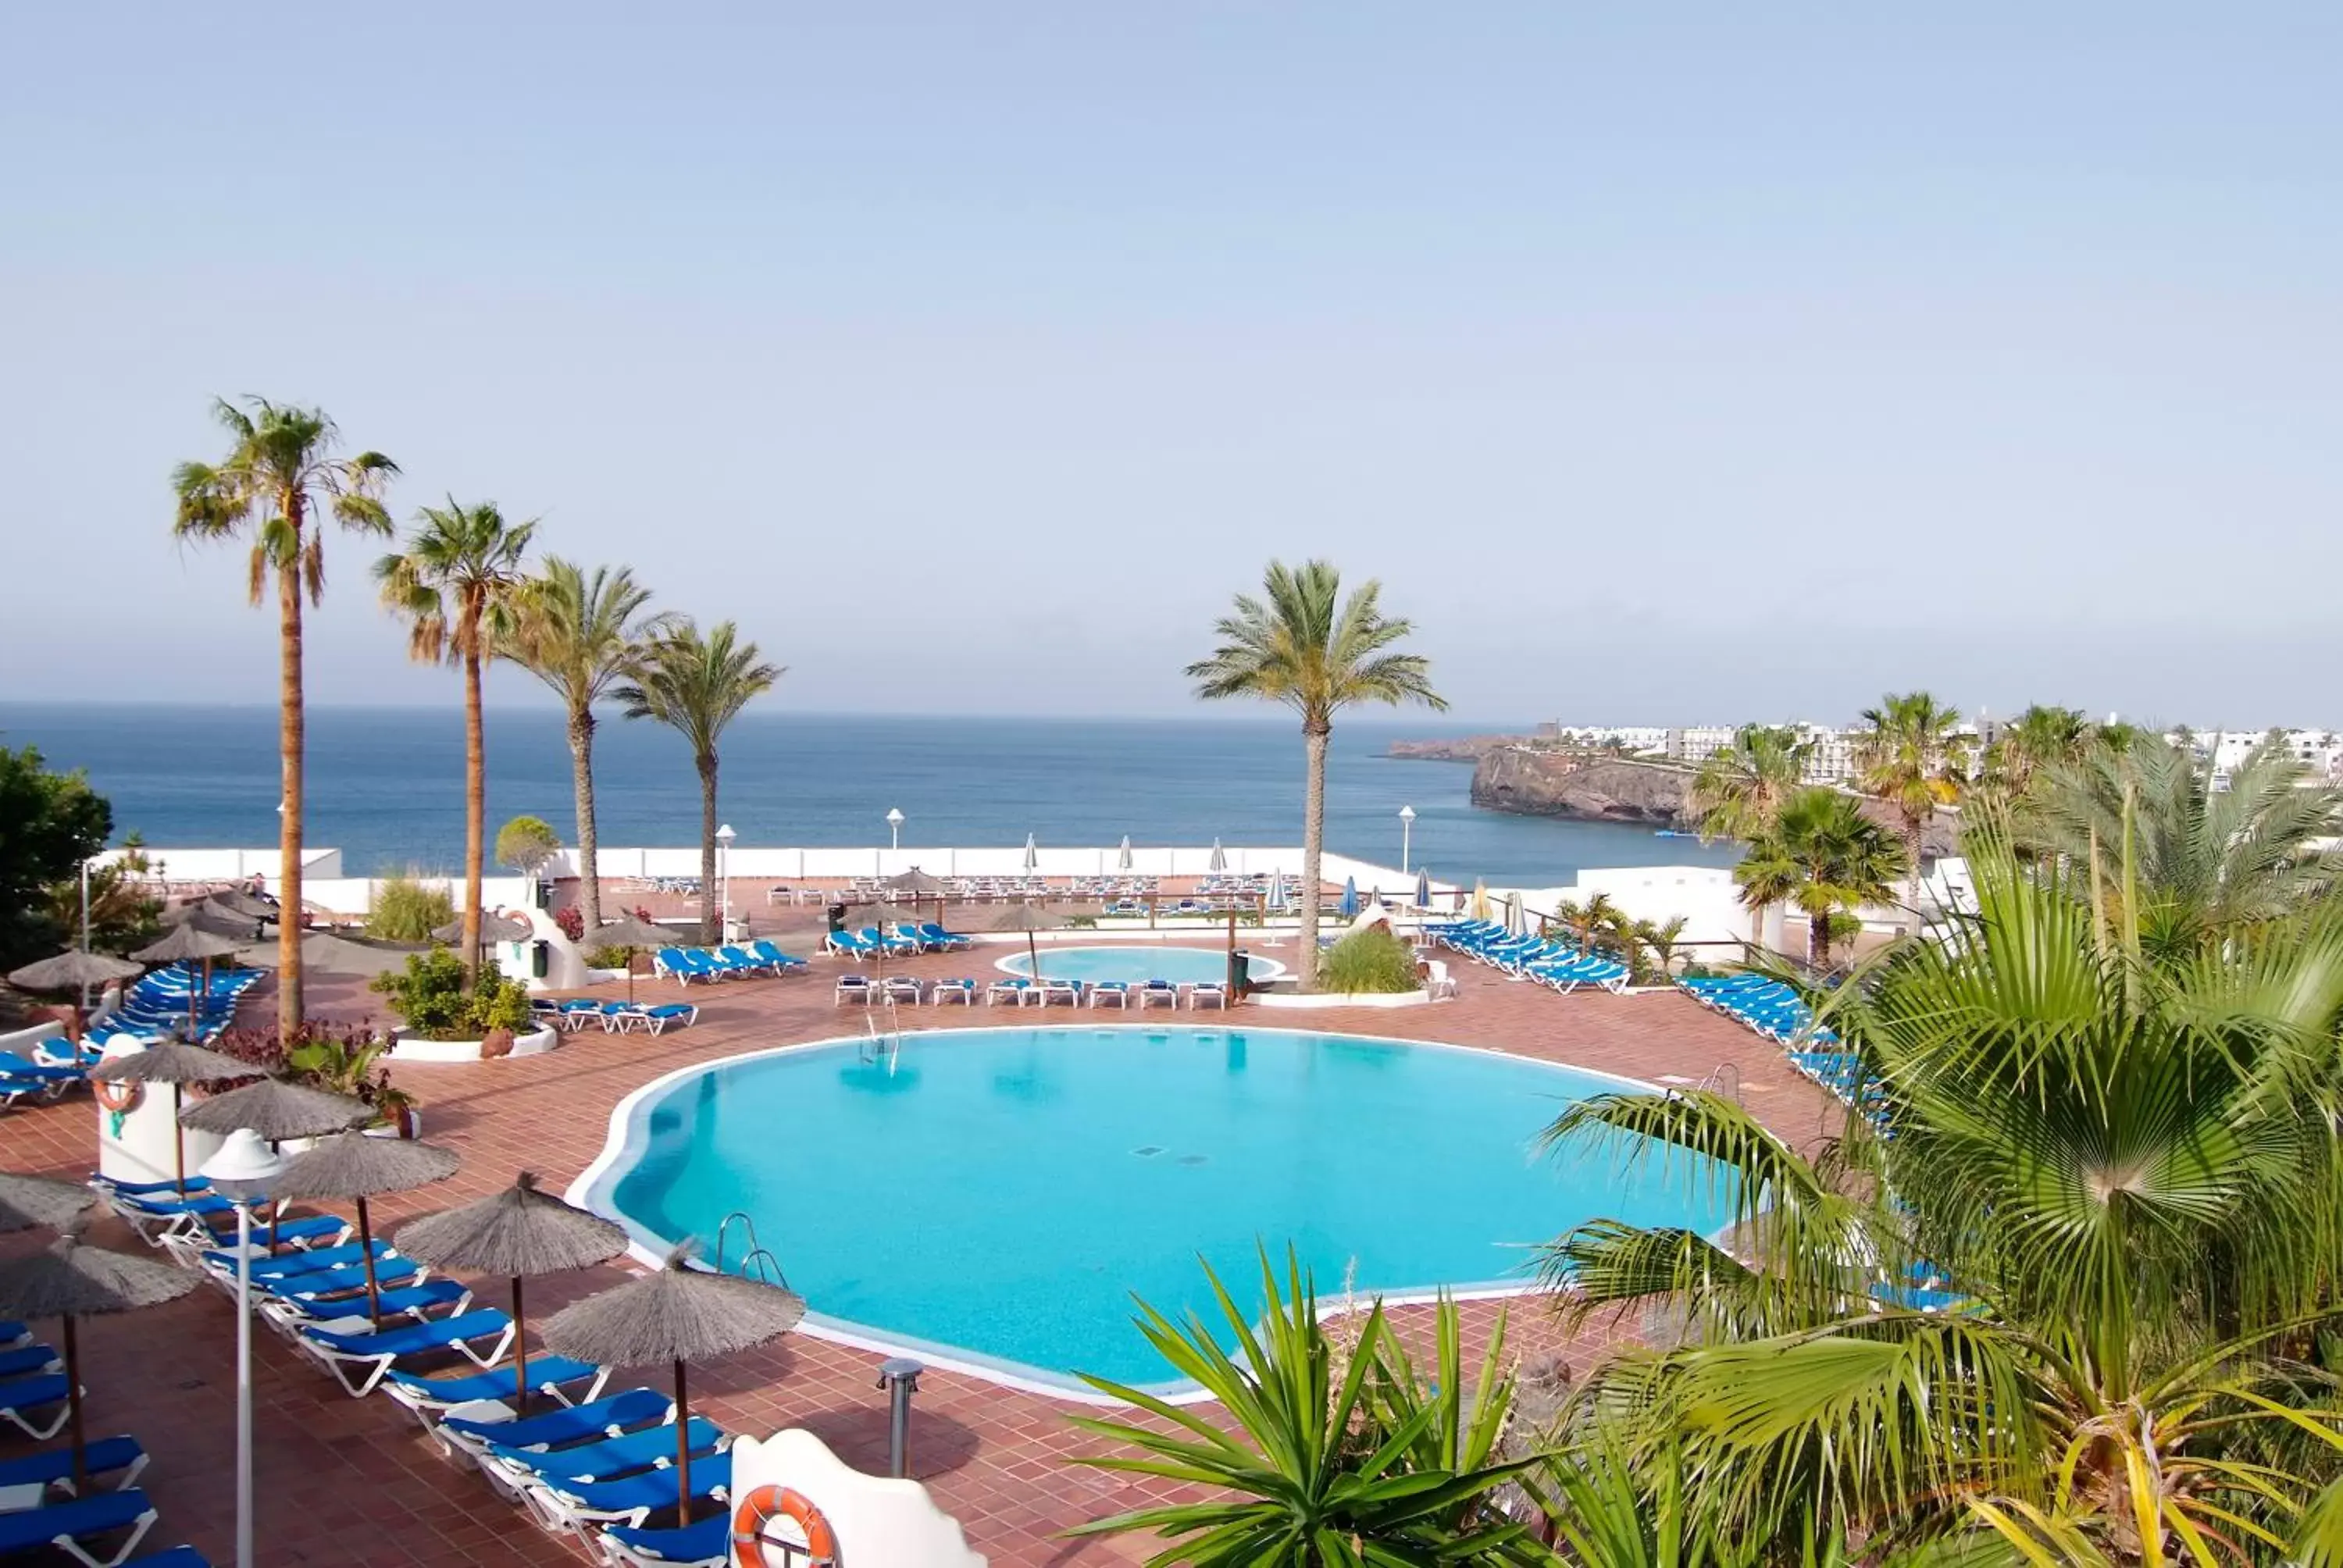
345 1481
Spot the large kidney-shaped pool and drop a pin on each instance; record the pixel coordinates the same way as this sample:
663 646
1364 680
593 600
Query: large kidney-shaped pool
995 1196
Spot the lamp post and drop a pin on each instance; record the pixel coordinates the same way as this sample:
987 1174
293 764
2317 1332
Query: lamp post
242 1172
724 877
1406 833
894 828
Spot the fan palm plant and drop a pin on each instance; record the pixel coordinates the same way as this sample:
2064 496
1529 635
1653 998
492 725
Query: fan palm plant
1916 760
696 684
455 586
579 632
2124 1178
1302 644
1822 857
1323 1463
1740 791
2037 738
2202 864
281 479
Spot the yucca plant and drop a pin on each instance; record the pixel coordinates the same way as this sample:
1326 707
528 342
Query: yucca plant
1319 1466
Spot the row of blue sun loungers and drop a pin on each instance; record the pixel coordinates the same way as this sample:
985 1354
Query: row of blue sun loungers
1771 1007
100 1527
614 1017
155 1004
593 1465
858 988
732 961
903 939
1548 963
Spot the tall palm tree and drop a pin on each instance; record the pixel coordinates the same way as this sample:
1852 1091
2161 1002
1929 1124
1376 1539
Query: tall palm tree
579 632
280 473
696 684
2122 1178
455 584
2183 863
2037 738
1304 645
1824 857
1915 760
1740 791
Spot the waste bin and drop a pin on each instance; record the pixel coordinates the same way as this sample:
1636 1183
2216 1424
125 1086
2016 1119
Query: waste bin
1239 972
540 958
837 913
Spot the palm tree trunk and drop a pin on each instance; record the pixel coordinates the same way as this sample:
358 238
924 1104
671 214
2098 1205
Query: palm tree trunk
581 764
476 814
1912 864
1313 847
291 734
709 934
1818 940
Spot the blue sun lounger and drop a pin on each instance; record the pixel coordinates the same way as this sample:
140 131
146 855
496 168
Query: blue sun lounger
607 1459
68 1526
782 962
20 1397
555 1377
366 1357
573 1505
21 1361
119 1457
590 1421
172 1557
705 1544
940 940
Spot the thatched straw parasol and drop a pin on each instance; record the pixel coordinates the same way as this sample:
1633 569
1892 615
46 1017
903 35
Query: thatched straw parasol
519 1233
171 1062
493 929
186 944
680 1314
68 1281
277 1111
72 970
30 1203
919 885
323 954
236 902
353 1165
631 933
216 919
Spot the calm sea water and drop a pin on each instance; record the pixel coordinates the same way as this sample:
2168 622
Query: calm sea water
385 785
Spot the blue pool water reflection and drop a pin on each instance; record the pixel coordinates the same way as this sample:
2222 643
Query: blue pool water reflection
1138 964
999 1194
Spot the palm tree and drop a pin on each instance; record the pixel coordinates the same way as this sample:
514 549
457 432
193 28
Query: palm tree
2183 862
1660 940
2038 738
279 471
1823 856
1330 1459
1739 792
2124 1178
579 633
1915 760
455 584
1302 644
696 684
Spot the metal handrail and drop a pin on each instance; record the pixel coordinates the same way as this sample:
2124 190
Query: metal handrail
757 1251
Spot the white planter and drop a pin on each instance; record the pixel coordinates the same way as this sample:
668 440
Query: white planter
1341 998
536 1042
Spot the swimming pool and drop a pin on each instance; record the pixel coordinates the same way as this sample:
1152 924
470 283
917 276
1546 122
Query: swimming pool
1138 964
995 1196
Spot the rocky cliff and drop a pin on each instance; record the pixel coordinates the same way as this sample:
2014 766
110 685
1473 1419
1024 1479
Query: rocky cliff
1458 748
1590 788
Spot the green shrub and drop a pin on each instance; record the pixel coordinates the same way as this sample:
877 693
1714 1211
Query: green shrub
430 995
405 910
1370 958
608 958
1081 923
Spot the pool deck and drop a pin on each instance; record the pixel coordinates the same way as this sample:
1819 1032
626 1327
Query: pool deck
356 1481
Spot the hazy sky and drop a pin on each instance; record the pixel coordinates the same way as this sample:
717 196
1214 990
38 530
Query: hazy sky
1738 361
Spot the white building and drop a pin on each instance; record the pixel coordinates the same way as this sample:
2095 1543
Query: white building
2319 751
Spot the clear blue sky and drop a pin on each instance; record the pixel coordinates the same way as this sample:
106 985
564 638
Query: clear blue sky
1734 361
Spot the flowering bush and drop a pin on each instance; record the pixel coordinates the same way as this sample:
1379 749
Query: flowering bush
572 922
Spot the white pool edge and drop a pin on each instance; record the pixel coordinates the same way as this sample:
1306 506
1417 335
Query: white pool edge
837 1330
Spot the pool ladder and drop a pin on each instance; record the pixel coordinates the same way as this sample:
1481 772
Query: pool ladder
758 1263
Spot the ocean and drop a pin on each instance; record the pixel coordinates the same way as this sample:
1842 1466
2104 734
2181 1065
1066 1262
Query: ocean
385 785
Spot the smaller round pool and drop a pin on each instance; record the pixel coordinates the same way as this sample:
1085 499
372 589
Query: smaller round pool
1137 965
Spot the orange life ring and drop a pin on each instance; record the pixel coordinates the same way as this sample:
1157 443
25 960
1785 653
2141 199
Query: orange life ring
117 1095
767 1504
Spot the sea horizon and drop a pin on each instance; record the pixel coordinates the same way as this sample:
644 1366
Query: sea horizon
385 784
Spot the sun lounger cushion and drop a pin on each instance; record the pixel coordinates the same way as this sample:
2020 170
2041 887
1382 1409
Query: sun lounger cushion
83 1516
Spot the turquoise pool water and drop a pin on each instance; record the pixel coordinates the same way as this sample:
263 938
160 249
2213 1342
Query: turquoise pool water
997 1195
1137 964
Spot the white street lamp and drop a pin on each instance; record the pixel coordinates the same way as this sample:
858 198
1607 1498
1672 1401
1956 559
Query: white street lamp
894 828
242 1171
1406 832
724 875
